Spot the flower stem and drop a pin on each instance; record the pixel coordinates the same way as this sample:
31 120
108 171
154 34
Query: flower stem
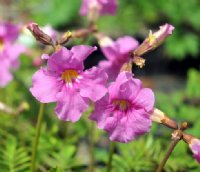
37 136
91 147
171 148
110 158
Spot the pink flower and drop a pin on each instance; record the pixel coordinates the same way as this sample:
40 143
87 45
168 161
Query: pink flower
9 51
124 112
117 53
195 147
101 6
65 82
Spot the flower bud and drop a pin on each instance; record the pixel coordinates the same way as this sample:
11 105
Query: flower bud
39 34
65 38
160 117
104 41
154 39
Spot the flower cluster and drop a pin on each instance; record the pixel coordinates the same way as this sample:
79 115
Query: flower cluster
9 51
122 106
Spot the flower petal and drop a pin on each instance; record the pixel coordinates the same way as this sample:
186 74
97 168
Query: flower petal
99 115
105 6
125 87
109 7
111 52
13 52
81 52
8 31
70 105
129 127
126 44
145 99
112 69
93 83
97 75
5 75
59 61
45 87
195 147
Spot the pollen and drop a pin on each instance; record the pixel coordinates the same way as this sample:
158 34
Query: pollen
69 75
121 104
151 39
1 44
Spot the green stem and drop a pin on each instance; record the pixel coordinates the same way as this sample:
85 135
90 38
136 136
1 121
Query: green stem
171 148
37 136
110 158
91 147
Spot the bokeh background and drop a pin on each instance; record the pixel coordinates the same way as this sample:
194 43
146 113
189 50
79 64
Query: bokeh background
172 71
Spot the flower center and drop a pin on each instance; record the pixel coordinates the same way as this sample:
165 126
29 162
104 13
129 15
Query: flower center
122 105
1 44
69 75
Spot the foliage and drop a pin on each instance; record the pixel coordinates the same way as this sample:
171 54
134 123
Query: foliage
192 89
61 145
13 157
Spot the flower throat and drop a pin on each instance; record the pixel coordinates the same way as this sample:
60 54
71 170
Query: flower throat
69 75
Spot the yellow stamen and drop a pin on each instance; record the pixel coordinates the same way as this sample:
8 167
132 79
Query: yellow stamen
151 38
121 104
1 44
69 75
68 34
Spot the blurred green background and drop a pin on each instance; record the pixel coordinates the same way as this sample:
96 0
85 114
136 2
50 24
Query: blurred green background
172 71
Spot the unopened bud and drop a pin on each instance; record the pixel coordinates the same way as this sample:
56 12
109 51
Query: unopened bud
105 41
39 34
184 126
160 117
65 38
157 116
188 138
154 39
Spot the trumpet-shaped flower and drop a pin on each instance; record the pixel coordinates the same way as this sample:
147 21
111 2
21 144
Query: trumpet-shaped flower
117 53
9 51
101 6
124 111
65 82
